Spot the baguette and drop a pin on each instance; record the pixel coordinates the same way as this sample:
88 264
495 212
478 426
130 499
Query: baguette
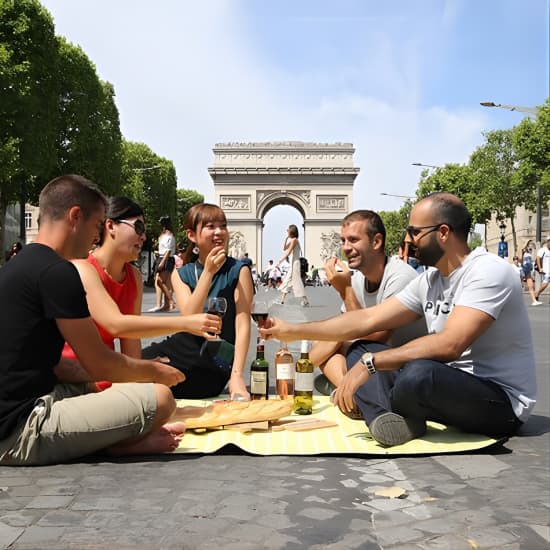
234 412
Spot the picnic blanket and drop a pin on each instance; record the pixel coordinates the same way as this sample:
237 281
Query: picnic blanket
349 437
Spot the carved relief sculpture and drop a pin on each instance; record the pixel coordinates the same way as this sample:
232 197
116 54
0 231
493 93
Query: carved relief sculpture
331 246
237 244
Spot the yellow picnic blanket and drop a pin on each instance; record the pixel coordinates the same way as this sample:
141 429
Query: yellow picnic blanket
349 437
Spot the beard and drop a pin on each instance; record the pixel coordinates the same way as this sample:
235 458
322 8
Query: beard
428 254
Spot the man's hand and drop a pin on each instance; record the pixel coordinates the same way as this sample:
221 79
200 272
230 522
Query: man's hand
353 380
277 329
338 275
203 324
167 375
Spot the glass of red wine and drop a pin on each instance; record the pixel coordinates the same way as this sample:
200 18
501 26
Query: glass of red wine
260 313
217 306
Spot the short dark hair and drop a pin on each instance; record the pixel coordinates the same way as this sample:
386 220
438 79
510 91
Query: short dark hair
449 209
62 193
373 226
166 222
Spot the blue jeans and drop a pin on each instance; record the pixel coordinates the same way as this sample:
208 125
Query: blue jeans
429 390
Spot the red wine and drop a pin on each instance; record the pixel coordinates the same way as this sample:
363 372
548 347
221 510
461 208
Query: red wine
259 317
218 313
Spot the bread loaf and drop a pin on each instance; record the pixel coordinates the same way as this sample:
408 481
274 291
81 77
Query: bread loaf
234 412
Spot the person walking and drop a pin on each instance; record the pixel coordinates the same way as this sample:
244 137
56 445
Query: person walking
165 266
292 279
543 265
528 275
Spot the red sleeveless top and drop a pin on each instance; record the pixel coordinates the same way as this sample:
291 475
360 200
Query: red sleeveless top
123 294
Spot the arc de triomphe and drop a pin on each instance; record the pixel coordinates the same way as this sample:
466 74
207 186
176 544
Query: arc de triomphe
315 178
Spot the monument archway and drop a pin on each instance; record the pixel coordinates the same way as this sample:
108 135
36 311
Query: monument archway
315 178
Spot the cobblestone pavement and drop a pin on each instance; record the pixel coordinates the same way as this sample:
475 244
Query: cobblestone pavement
495 499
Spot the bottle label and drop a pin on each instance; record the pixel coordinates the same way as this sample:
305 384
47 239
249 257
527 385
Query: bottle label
258 382
285 371
304 381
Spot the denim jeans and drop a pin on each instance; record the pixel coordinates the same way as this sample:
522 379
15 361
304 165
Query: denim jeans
430 390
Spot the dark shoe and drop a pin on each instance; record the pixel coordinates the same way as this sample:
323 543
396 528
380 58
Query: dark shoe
323 385
391 429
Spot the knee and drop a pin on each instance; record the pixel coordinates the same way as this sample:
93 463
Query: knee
166 404
415 379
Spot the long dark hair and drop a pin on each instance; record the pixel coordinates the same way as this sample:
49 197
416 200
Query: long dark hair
197 216
120 208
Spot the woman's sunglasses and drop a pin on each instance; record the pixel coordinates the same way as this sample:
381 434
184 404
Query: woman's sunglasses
138 225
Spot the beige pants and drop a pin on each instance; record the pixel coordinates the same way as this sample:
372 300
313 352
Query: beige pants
70 422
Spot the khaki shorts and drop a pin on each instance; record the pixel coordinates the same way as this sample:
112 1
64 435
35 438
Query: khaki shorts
70 422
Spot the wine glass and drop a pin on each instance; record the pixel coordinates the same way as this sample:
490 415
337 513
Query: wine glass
259 313
217 306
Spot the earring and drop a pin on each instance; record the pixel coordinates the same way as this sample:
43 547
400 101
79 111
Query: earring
195 250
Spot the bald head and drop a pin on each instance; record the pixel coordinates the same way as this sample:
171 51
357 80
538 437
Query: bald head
449 209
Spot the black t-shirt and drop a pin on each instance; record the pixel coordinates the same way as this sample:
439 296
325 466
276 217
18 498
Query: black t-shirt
36 287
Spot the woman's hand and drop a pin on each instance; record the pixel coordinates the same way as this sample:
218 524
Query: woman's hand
202 324
215 259
238 387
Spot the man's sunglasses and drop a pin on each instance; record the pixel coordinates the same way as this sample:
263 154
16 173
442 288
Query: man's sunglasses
138 225
413 231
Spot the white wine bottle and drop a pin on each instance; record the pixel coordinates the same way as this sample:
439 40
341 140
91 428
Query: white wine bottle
284 372
303 387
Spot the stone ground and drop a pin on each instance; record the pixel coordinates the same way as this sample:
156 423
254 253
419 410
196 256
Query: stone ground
497 498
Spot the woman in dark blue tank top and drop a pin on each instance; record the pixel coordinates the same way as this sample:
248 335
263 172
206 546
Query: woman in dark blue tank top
206 272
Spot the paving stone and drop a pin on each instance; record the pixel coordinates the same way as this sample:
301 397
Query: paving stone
483 466
398 534
61 518
9 534
321 514
36 536
388 504
50 502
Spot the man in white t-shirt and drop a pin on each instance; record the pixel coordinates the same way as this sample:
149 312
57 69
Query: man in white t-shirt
475 370
367 278
543 263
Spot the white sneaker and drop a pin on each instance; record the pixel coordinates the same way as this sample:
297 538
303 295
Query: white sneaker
536 303
154 310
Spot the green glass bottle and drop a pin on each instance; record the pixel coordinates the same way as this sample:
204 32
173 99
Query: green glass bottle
303 385
259 374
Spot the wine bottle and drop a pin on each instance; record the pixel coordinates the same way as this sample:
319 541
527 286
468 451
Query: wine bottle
303 387
259 374
284 372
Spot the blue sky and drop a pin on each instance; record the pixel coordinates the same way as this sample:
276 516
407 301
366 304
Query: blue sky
400 79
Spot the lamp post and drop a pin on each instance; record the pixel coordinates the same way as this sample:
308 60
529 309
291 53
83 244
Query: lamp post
400 196
154 167
425 165
529 111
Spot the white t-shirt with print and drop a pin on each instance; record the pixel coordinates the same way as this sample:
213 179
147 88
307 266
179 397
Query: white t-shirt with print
504 352
397 275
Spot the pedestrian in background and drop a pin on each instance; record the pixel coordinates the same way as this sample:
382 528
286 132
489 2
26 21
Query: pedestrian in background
293 277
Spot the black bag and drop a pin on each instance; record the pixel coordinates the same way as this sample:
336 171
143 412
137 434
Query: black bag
304 265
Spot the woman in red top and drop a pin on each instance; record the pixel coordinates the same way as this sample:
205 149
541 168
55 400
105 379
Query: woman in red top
114 287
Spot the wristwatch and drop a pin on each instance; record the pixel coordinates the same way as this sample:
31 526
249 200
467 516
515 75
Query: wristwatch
367 359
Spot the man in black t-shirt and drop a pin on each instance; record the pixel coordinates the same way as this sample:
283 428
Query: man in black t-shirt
44 305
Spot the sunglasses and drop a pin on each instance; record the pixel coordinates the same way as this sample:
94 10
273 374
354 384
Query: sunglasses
413 231
138 225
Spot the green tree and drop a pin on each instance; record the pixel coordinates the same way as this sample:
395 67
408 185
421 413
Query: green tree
149 180
531 141
395 222
186 198
494 167
88 136
28 100
459 180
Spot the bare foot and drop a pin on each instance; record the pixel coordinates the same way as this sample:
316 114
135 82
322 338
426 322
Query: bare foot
163 440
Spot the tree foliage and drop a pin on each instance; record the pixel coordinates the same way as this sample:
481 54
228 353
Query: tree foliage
149 180
186 198
395 222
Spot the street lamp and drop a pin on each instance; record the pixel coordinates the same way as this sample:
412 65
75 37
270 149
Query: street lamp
530 111
425 165
400 196
154 167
